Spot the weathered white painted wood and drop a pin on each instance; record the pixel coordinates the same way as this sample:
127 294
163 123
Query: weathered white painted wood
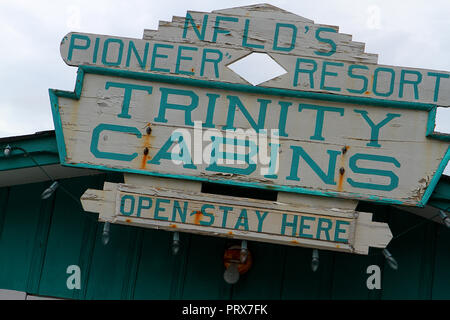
205 62
369 80
146 181
261 34
405 151
298 200
202 45
250 219
369 233
316 201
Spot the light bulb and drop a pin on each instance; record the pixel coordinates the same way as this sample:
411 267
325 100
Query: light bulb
231 275
105 234
315 260
7 151
444 218
244 251
49 191
176 243
390 259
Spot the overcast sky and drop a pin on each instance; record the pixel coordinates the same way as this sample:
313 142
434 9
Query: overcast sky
410 33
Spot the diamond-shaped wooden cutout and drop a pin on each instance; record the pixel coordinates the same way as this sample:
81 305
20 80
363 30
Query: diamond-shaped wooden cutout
257 68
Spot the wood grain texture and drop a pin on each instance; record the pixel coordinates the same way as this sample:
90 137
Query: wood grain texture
317 58
257 220
414 158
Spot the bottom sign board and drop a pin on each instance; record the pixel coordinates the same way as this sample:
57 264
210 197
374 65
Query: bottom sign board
241 218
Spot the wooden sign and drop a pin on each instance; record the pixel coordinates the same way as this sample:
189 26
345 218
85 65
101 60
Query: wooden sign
337 124
258 220
280 140
317 57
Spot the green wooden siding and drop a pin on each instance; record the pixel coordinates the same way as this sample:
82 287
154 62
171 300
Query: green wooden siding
39 239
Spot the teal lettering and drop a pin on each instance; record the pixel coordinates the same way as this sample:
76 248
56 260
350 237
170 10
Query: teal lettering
142 61
261 219
375 128
215 62
414 83
304 226
216 155
236 102
225 214
155 55
181 57
338 231
94 55
122 205
437 83
283 118
321 228
111 155
105 52
207 214
210 112
159 209
325 40
181 213
308 71
327 73
327 178
164 105
128 90
375 81
357 76
319 117
277 34
142 206
245 37
164 153
200 34
218 29
374 172
242 220
73 46
292 224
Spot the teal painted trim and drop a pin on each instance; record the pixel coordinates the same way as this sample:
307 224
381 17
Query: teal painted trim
43 150
57 124
22 162
431 124
54 94
256 89
435 179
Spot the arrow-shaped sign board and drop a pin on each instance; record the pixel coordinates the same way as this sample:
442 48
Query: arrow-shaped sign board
248 136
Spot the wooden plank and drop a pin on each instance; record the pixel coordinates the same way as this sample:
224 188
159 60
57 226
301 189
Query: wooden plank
203 274
257 220
300 282
267 271
158 268
70 240
317 57
356 152
18 234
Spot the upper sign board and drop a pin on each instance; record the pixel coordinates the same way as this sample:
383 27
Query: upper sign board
168 105
317 57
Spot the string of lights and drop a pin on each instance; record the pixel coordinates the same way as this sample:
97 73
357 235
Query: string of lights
47 193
